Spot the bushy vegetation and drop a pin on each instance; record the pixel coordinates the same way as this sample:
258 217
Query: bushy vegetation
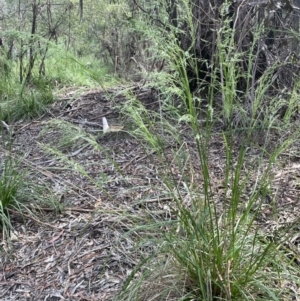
20 100
212 246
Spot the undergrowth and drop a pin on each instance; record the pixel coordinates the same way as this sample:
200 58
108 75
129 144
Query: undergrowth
25 100
211 246
214 248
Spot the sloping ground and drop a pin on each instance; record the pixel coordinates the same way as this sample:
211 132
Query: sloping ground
87 249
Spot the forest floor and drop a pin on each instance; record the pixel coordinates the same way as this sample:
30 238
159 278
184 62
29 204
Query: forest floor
87 250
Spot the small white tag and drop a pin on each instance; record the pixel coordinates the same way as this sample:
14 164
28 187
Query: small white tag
108 129
105 125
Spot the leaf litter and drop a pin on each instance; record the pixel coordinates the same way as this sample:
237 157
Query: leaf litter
85 248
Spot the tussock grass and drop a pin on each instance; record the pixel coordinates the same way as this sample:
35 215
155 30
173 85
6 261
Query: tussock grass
11 183
21 197
214 249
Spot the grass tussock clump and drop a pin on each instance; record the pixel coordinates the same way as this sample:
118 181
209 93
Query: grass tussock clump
215 247
11 184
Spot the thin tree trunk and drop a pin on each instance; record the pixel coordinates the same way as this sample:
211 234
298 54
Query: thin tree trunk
31 48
